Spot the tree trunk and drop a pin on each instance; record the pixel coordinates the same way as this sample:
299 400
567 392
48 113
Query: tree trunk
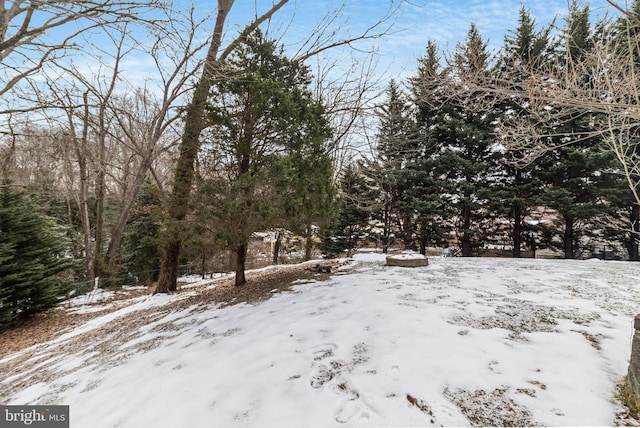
423 243
466 236
407 232
634 254
241 259
568 238
203 265
83 198
86 228
386 231
100 193
189 146
517 232
9 162
117 234
100 190
102 163
276 247
179 200
169 272
517 219
308 244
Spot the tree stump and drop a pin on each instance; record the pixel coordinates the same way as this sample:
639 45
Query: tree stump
631 389
633 376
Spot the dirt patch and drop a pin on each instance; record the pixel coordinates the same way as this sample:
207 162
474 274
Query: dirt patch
260 286
493 408
424 407
518 317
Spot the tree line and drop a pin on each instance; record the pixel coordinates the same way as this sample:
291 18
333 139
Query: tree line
512 148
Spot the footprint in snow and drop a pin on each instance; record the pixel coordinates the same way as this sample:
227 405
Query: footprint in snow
321 376
346 412
324 351
395 373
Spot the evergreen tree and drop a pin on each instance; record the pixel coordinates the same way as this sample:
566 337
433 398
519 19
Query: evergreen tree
53 203
262 120
468 158
578 35
523 58
577 184
426 194
33 257
352 222
142 245
312 200
394 149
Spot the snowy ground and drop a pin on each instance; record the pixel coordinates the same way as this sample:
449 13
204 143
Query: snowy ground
460 342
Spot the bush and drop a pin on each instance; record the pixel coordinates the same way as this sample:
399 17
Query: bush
33 254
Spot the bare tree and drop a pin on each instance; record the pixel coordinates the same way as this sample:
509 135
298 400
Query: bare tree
115 132
27 27
149 123
76 136
349 94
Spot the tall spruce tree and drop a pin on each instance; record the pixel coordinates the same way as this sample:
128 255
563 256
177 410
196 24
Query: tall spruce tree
523 57
468 158
394 150
426 195
33 257
356 198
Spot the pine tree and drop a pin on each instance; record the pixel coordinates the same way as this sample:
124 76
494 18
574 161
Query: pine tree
426 194
312 199
468 158
394 150
352 221
262 120
142 241
523 58
33 256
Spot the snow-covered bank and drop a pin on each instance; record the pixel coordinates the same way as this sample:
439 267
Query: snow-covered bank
460 342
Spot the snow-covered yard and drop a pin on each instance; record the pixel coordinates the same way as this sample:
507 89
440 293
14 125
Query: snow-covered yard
460 342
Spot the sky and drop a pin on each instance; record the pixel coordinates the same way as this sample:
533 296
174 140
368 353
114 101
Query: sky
411 25
415 22
461 342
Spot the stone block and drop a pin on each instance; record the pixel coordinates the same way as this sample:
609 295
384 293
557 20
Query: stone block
407 262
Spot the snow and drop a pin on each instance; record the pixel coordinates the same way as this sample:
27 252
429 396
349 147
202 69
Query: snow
463 341
407 256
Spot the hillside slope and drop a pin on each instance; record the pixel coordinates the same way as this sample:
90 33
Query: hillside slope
460 342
